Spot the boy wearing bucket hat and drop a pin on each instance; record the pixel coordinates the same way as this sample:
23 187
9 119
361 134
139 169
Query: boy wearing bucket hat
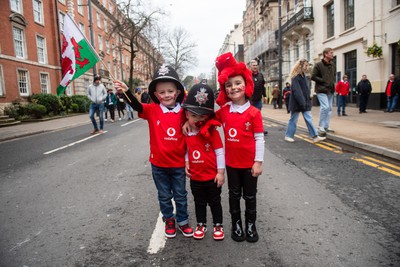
205 162
244 142
165 117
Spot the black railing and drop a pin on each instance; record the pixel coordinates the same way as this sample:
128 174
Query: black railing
305 14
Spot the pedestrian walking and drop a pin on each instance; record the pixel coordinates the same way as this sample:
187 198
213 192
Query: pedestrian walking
300 102
392 92
286 95
342 89
259 92
97 93
324 75
120 104
275 95
165 117
205 161
363 90
111 102
244 142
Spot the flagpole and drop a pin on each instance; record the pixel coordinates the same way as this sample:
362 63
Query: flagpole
97 55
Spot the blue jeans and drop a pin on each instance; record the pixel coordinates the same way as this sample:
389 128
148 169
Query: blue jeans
292 125
392 102
97 109
171 183
341 104
325 110
258 104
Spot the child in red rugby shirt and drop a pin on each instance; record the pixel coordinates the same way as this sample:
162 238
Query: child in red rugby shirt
205 162
244 142
167 146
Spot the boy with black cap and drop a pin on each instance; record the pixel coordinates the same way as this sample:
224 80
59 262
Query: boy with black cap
165 117
205 162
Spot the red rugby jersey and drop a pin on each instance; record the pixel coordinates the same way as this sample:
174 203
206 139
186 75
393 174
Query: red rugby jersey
167 144
239 129
202 158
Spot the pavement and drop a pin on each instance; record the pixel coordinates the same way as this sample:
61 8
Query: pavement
374 131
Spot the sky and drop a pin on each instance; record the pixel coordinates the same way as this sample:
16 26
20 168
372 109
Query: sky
207 21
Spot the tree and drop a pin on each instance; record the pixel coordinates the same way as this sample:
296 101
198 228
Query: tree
132 17
179 52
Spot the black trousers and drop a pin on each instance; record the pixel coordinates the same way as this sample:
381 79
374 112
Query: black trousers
242 183
363 102
207 193
111 108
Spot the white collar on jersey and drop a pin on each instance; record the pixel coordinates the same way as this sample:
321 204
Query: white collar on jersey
238 108
176 109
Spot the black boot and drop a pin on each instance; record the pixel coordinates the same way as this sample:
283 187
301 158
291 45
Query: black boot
237 230
251 231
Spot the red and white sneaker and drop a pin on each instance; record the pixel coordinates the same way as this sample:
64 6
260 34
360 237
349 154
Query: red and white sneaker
170 229
218 233
186 230
200 231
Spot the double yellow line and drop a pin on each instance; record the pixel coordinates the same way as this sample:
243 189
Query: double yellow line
370 161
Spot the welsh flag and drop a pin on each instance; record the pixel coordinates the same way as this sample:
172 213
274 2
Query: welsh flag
77 54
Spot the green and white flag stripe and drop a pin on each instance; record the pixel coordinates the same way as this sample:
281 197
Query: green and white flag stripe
77 54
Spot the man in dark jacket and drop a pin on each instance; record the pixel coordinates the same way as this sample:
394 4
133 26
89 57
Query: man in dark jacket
392 92
324 75
259 88
363 89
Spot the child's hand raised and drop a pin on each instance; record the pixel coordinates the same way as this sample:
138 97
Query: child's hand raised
120 85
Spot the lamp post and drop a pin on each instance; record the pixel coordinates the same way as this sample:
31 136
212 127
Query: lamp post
91 31
280 45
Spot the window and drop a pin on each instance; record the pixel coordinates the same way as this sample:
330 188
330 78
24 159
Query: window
1 81
44 83
41 49
330 16
105 26
348 14
38 11
307 50
62 1
113 51
98 19
23 82
107 47
115 70
100 39
287 11
19 42
68 90
61 17
296 51
16 5
82 28
80 7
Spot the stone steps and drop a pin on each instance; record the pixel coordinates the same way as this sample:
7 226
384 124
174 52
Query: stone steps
7 121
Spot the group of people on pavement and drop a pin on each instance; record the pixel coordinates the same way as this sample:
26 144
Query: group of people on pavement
184 141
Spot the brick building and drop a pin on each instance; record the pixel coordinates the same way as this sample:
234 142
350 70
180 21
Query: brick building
30 54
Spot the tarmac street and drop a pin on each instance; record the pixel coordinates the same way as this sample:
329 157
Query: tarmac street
68 198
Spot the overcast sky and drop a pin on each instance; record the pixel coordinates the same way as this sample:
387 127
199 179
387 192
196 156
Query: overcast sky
208 22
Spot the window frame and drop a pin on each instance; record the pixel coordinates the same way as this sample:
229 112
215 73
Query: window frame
2 85
41 15
348 14
26 82
330 20
47 84
18 7
44 49
23 42
80 8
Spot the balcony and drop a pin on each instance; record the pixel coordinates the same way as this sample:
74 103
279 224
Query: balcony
305 14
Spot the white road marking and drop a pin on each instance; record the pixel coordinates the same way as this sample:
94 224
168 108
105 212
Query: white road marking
158 239
125 124
74 143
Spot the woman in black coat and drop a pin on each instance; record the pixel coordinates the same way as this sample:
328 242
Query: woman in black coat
300 102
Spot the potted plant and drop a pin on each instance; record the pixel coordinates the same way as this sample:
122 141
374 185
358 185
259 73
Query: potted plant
374 50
